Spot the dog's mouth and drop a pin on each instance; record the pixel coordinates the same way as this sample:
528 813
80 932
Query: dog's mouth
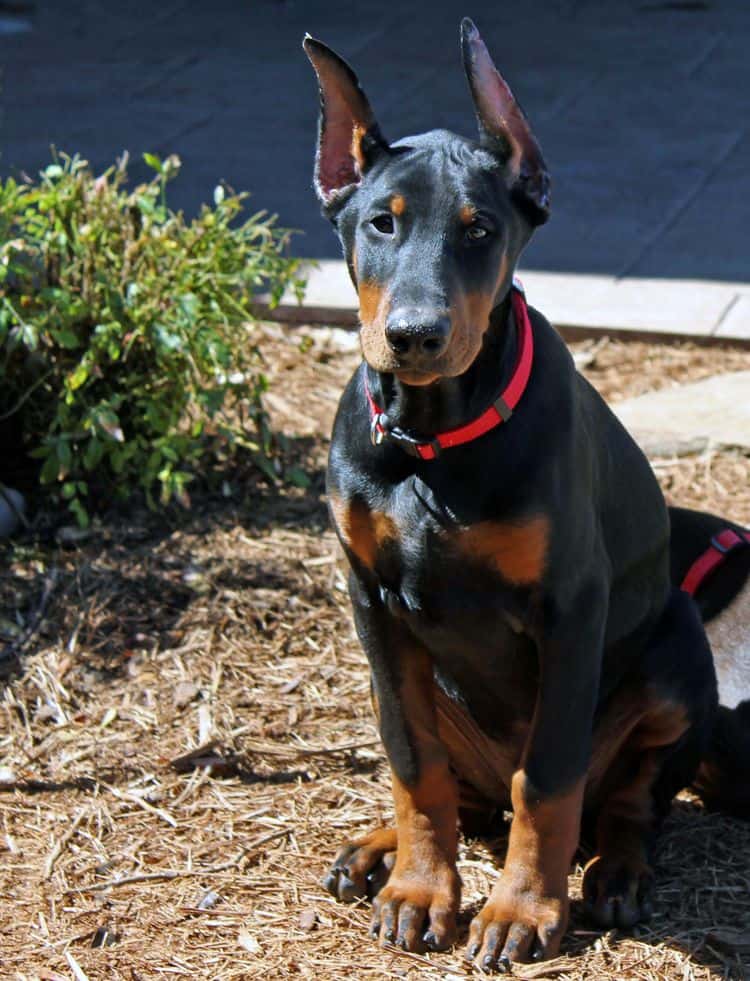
409 376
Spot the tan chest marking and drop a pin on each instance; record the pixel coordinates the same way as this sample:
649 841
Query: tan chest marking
517 550
362 530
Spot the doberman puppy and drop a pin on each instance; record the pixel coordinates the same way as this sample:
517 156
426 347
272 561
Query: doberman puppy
511 574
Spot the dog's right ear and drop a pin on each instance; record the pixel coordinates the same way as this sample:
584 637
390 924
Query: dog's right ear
348 135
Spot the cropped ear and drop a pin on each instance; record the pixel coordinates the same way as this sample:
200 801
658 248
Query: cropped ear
348 135
503 127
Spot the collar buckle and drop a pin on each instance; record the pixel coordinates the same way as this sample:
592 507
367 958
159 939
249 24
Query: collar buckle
381 431
412 445
378 431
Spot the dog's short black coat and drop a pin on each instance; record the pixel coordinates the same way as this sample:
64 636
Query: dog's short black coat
517 597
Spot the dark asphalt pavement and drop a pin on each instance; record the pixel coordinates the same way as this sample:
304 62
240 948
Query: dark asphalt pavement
641 107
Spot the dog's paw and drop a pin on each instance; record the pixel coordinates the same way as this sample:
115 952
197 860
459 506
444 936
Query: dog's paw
515 928
617 891
417 913
361 868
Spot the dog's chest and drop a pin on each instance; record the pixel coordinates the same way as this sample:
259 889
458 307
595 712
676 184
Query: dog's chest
437 560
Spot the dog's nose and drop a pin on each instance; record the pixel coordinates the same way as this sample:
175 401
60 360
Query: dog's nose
412 332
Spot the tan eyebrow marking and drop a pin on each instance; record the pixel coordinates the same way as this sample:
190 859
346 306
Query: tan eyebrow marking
398 205
468 213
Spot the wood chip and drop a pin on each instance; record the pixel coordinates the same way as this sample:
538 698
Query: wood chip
308 919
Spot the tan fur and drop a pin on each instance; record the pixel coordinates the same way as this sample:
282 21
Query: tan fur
627 760
517 550
356 148
373 311
637 720
415 378
467 214
533 889
398 205
364 531
470 317
425 874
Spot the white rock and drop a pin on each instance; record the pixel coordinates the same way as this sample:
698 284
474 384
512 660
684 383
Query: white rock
686 418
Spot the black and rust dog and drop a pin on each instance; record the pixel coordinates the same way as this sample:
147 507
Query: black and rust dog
512 577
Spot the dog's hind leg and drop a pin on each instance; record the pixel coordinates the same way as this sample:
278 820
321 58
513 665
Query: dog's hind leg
652 739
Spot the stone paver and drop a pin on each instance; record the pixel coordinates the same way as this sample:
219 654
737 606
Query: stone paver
736 322
640 105
713 412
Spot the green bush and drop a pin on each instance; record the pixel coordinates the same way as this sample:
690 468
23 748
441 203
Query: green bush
126 346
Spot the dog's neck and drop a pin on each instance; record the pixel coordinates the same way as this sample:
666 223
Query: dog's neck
449 402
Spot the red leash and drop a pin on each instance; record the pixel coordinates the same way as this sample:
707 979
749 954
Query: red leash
721 545
500 410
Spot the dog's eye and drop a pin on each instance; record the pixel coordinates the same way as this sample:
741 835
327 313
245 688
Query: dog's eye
475 233
383 224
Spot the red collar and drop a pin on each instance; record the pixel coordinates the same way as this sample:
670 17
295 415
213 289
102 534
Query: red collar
500 410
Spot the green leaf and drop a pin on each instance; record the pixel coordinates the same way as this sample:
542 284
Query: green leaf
189 305
78 377
146 204
50 469
93 453
107 421
65 456
65 337
297 477
153 162
265 466
80 512
168 339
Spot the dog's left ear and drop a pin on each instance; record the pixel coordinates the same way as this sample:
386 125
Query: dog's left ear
503 127
348 135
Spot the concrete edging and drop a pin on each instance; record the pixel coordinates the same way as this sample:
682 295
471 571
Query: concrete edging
579 305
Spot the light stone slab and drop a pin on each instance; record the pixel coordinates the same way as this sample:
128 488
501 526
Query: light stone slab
736 323
686 418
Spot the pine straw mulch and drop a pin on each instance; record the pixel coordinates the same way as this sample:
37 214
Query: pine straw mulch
186 736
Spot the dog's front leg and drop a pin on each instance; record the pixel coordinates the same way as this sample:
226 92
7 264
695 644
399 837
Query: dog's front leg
418 905
527 911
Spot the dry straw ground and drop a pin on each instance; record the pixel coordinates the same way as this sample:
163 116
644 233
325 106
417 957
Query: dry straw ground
186 737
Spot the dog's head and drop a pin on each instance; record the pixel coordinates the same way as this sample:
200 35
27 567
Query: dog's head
432 225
